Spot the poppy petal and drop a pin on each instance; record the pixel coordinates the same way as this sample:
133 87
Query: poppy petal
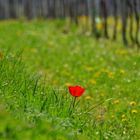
76 91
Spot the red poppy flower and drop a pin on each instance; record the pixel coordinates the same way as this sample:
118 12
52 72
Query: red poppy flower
76 91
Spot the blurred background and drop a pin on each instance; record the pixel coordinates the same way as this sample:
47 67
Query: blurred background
93 13
63 8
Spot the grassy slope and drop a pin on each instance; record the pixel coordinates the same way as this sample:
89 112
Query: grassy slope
105 68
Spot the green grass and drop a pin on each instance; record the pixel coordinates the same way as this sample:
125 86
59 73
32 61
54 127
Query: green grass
39 59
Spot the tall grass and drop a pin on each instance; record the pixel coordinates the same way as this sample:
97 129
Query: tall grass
29 100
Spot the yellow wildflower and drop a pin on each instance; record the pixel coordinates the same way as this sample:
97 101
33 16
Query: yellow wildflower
99 117
88 97
83 18
110 75
99 24
132 103
112 116
122 71
116 102
124 119
134 111
123 116
88 68
92 81
68 84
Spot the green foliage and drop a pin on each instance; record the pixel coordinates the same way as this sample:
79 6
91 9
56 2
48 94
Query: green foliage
39 59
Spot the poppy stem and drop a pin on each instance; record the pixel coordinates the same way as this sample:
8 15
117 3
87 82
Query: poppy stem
74 102
72 105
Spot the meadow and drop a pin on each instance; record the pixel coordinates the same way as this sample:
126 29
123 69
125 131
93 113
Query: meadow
40 59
